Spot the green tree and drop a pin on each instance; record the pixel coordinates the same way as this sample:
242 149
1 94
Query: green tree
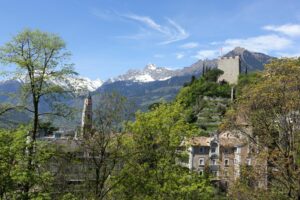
247 79
270 105
104 146
152 169
205 101
39 58
206 85
13 166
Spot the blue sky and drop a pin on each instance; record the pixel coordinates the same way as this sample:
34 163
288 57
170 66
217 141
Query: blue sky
108 37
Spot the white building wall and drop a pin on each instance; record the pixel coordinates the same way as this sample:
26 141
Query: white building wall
191 158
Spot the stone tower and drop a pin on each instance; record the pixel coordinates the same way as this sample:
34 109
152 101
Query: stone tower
87 117
231 67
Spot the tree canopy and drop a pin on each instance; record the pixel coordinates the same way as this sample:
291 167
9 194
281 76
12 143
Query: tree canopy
39 58
152 170
269 103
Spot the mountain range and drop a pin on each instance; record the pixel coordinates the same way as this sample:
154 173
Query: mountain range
250 61
150 84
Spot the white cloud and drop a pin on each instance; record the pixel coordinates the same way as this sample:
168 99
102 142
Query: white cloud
263 43
189 45
172 32
291 55
179 55
292 30
147 21
206 54
281 41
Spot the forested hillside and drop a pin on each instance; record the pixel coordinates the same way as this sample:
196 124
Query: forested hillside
205 101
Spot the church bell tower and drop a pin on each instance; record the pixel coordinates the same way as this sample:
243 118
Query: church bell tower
87 117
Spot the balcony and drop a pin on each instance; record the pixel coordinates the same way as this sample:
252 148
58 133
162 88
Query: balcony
214 167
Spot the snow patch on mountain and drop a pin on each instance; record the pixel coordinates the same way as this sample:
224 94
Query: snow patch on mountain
148 74
151 67
166 78
72 83
81 83
144 78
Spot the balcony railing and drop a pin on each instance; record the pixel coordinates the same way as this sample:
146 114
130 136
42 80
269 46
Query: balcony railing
214 167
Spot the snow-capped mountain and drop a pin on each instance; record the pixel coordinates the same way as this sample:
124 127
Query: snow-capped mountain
148 74
79 84
75 83
152 73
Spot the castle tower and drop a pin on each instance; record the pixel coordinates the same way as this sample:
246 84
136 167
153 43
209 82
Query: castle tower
231 67
87 117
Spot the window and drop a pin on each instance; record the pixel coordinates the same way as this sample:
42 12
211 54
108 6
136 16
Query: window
201 150
226 162
248 161
201 161
213 162
237 149
201 172
213 149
